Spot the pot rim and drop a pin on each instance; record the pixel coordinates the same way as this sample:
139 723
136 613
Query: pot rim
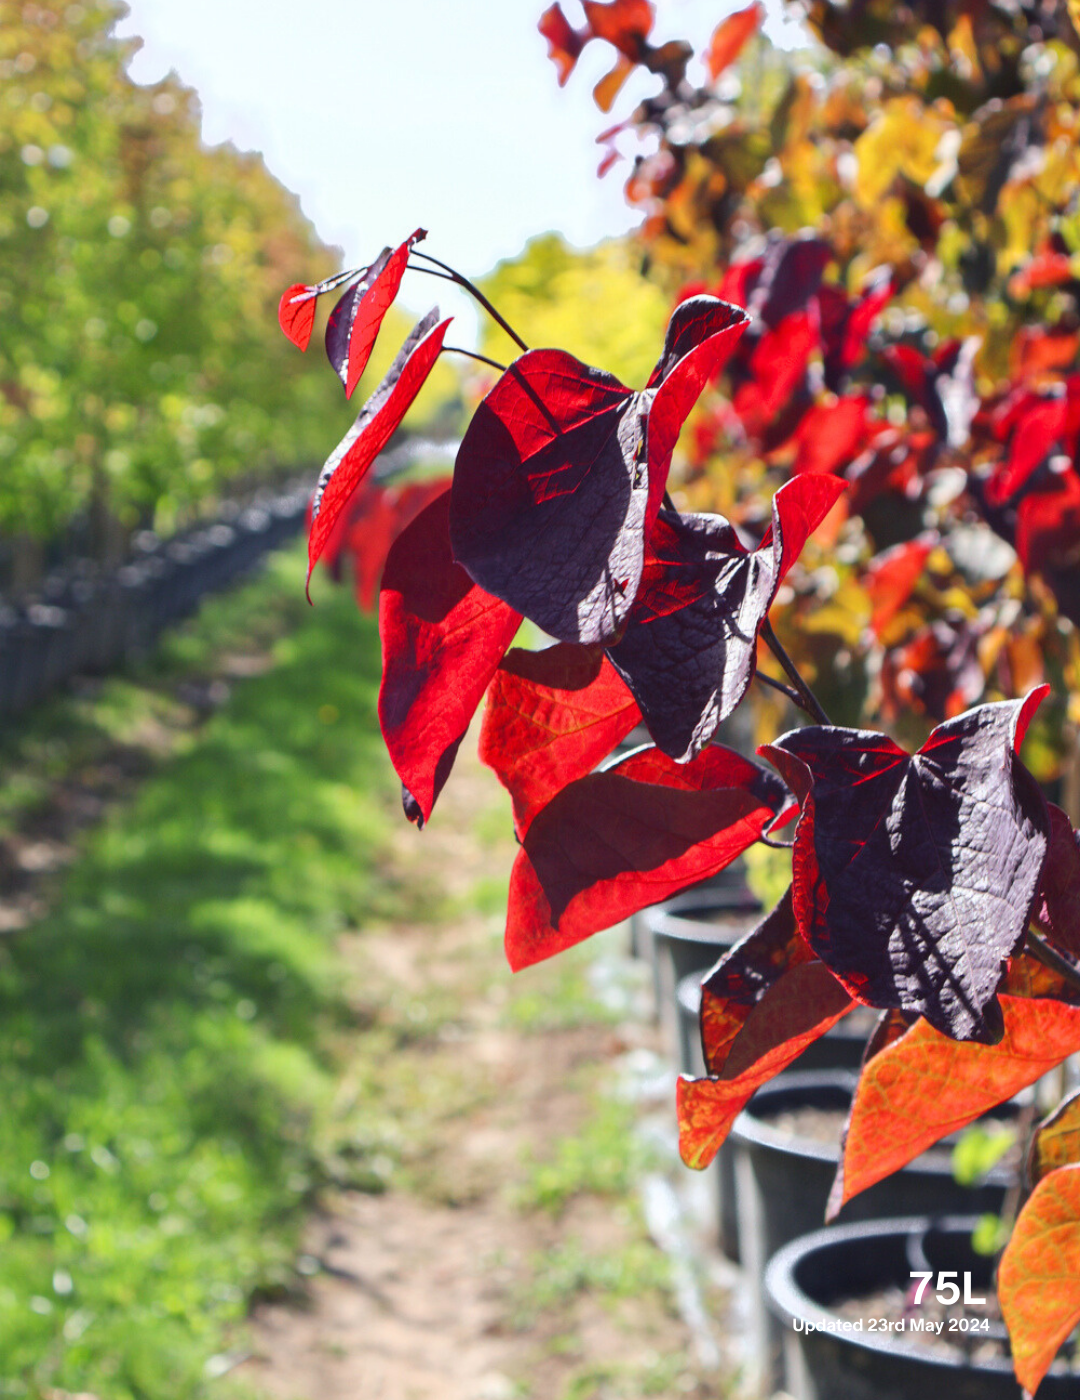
753 1131
674 918
787 1301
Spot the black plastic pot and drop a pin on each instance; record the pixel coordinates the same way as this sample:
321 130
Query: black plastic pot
782 1184
809 1277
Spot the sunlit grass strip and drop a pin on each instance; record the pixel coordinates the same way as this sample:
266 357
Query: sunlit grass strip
164 1033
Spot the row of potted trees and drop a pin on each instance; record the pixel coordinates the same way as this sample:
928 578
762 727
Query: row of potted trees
85 620
832 1310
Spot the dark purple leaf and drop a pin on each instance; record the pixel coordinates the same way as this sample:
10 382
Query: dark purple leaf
914 875
690 646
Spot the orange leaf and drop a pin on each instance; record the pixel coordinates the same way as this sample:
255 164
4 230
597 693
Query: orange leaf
1056 1141
624 23
925 1085
798 1009
608 88
1039 1275
728 38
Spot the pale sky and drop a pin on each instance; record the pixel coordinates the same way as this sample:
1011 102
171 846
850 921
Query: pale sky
388 114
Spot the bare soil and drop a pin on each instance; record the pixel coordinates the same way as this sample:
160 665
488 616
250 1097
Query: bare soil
456 1283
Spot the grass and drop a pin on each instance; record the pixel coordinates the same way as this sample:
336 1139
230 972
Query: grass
164 1032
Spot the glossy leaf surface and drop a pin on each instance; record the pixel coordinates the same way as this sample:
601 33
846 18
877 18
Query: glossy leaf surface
690 647
914 874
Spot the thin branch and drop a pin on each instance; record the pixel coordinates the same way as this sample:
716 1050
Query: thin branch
776 845
807 700
1051 958
792 695
474 291
472 354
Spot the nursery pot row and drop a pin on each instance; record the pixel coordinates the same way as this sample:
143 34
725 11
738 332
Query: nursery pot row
85 621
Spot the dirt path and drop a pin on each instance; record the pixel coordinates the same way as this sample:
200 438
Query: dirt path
507 1256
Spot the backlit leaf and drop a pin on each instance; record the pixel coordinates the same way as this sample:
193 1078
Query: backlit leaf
892 575
375 424
792 1013
729 38
551 716
624 23
564 42
372 532
613 842
442 640
926 1085
914 874
353 325
1039 1275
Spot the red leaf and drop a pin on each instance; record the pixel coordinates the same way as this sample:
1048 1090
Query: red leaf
551 716
442 640
925 1085
892 575
354 323
778 365
296 309
554 482
914 875
564 42
846 324
701 337
374 426
762 1005
624 23
1061 882
728 38
296 314
1039 1275
374 530
613 842
690 646
832 435
1048 525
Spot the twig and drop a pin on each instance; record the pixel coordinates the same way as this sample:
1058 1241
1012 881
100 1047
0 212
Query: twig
473 290
807 700
1051 958
472 354
792 695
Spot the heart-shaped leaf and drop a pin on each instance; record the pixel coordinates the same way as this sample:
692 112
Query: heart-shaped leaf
624 23
926 1085
914 874
550 486
613 842
552 498
690 647
442 640
375 424
353 325
551 716
729 37
1039 1275
701 336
